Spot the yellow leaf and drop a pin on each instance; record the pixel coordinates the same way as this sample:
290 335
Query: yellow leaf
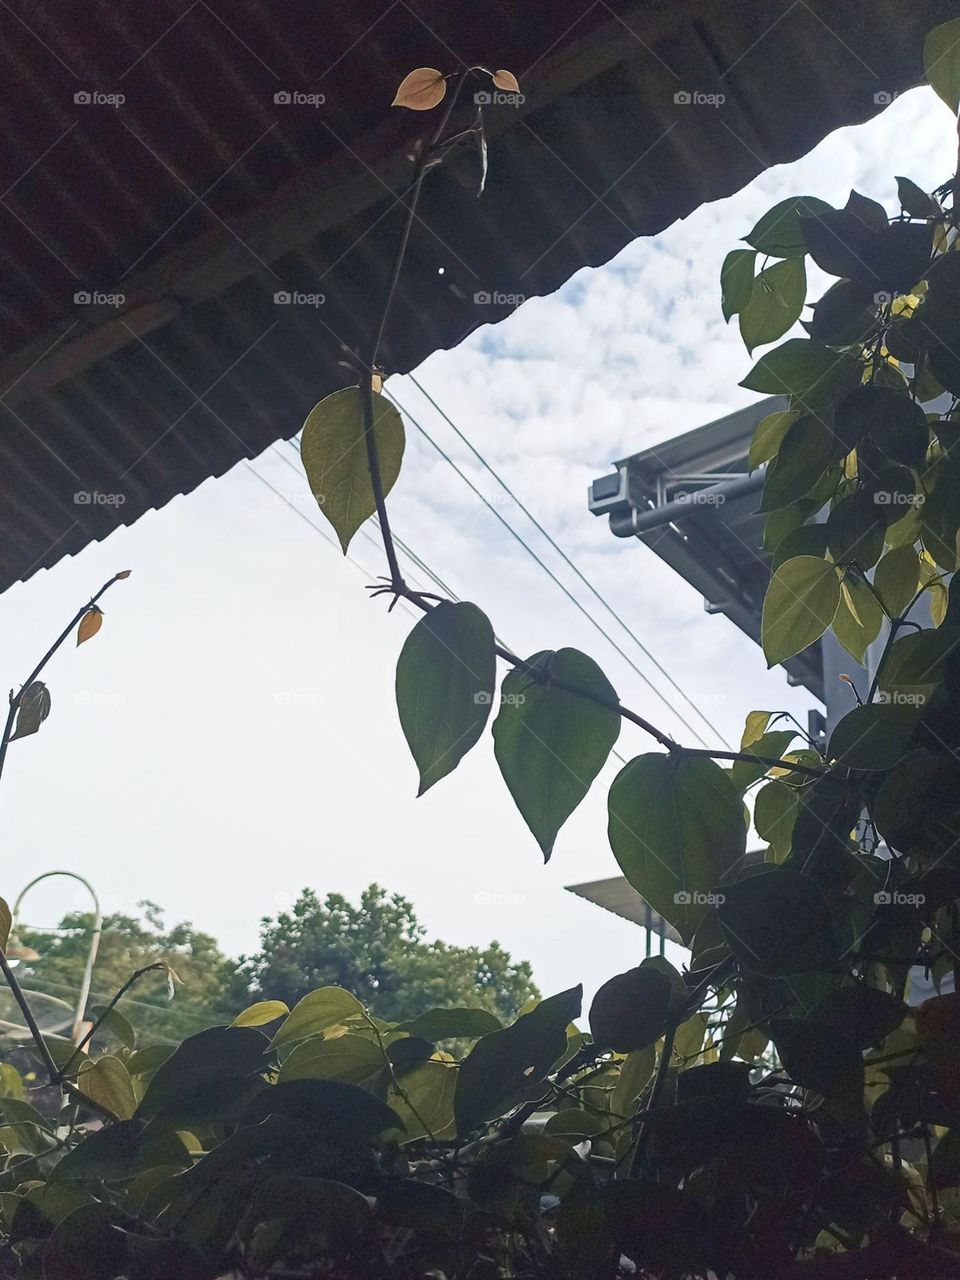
506 80
755 728
376 382
5 922
848 600
421 90
107 1082
90 624
259 1014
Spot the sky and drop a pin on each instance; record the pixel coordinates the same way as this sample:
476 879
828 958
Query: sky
230 736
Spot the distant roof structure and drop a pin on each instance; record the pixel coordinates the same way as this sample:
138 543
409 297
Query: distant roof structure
173 171
616 894
694 502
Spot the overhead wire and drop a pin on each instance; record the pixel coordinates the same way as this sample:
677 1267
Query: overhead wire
601 599
549 572
421 564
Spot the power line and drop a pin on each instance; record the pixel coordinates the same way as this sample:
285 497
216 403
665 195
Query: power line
566 559
437 581
315 527
364 533
547 570
404 546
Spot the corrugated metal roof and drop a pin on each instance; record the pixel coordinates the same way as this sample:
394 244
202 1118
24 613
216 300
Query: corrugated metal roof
616 894
200 196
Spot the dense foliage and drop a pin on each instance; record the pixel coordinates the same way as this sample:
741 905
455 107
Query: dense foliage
379 951
777 1110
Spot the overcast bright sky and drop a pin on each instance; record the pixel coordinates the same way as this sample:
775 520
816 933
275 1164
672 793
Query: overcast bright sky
230 736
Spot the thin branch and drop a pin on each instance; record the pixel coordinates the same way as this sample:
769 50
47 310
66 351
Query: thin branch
35 1032
368 369
663 1066
134 978
415 597
15 701
15 698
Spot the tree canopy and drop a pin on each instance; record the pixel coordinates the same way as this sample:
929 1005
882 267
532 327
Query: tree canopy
379 951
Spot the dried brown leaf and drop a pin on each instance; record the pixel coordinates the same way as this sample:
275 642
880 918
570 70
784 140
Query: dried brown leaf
124 573
421 90
506 80
90 624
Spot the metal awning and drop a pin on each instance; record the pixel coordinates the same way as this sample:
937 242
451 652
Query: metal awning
694 502
616 894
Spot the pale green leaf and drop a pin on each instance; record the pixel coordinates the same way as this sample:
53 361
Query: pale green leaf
941 61
775 303
897 578
350 1058
426 1102
769 435
107 1082
800 604
259 1014
318 1010
736 280
334 454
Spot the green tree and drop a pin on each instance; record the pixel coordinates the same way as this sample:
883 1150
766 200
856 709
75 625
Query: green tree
379 951
201 978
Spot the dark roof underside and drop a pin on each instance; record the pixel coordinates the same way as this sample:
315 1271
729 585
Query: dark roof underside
200 197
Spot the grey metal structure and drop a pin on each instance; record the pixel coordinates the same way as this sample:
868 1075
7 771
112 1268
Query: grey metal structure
694 502
616 894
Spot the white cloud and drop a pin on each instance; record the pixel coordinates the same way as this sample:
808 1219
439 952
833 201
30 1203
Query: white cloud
230 735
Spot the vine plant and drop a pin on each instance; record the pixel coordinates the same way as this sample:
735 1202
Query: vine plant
778 1110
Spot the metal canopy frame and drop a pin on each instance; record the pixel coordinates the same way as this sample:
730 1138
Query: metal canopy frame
694 502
